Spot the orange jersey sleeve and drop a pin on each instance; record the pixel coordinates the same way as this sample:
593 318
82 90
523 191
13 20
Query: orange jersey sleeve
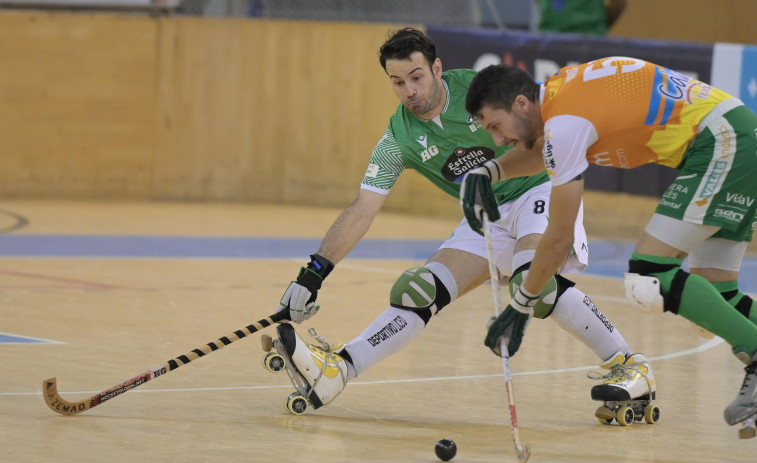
641 112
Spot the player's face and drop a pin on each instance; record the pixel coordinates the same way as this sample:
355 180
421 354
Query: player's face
510 128
417 85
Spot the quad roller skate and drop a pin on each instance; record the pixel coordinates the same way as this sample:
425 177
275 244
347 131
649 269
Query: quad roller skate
628 391
744 408
317 373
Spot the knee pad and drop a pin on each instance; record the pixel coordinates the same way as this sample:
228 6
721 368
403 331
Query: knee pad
419 290
643 292
556 285
655 287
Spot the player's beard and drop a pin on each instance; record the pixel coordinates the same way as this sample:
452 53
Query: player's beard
529 134
434 97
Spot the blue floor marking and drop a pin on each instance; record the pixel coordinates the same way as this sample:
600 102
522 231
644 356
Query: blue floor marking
6 338
607 258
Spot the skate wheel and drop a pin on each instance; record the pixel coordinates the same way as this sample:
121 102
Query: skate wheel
267 342
625 416
296 403
604 414
652 413
747 433
274 362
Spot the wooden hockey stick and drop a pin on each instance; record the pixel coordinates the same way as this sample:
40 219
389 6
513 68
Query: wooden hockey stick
523 451
64 407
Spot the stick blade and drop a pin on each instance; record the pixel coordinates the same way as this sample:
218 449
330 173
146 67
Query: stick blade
58 404
524 454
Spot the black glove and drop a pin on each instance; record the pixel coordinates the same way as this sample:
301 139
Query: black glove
509 326
299 298
476 196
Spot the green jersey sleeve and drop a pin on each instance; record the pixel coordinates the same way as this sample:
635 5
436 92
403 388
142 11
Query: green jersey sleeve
385 166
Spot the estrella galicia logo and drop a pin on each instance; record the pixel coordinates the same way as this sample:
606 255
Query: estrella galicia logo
464 159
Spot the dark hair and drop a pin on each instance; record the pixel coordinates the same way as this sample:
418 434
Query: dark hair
497 86
404 42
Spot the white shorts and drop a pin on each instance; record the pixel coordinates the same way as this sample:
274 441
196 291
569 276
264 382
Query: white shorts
526 215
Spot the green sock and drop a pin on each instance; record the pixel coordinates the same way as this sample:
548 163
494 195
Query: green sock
743 303
702 304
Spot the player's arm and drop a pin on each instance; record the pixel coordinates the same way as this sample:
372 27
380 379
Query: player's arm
351 225
557 240
385 166
300 297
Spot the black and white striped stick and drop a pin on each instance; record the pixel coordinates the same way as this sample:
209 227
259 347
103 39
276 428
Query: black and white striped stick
64 407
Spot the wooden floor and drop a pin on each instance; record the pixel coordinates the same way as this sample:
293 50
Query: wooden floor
109 318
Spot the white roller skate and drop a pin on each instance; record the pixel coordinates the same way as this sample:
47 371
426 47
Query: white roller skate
744 408
628 391
318 373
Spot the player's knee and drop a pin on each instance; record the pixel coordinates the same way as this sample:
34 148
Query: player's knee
653 287
555 287
419 290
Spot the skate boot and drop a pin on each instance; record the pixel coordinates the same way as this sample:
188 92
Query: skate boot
318 373
744 408
628 391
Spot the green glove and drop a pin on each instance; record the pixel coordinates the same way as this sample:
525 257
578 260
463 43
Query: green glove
476 197
510 325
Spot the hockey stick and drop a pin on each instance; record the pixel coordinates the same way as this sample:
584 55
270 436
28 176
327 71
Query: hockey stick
523 452
64 407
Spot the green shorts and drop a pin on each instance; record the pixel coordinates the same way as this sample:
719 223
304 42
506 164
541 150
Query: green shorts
717 180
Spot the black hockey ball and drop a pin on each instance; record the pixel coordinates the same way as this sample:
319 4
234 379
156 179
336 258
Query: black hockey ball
446 449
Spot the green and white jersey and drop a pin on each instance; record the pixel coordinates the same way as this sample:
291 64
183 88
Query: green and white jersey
442 149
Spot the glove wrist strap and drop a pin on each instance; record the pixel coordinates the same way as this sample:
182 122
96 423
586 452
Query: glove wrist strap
320 265
494 170
523 301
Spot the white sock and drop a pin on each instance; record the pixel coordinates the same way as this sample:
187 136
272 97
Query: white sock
389 333
576 314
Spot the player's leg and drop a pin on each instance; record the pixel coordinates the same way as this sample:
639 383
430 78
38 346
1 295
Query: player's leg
718 260
417 295
656 283
629 375
712 198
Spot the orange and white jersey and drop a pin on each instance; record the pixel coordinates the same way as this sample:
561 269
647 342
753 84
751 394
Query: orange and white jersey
620 112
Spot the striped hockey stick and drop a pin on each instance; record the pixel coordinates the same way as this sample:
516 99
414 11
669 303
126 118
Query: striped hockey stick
64 407
522 451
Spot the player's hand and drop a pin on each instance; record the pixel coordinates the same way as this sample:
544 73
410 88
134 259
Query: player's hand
476 195
299 298
509 327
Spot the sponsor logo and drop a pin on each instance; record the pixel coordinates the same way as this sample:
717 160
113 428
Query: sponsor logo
670 204
372 170
464 159
739 199
598 314
429 153
473 124
391 328
620 159
422 141
547 154
674 189
732 216
676 83
724 142
711 182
